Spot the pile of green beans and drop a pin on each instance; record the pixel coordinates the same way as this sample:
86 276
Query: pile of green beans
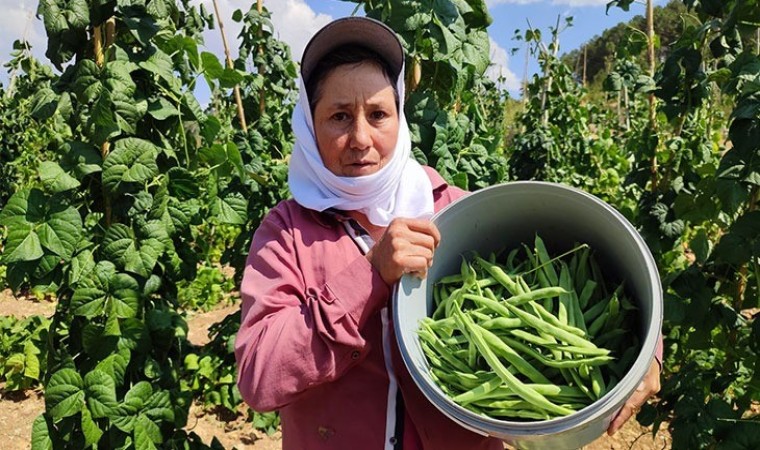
532 337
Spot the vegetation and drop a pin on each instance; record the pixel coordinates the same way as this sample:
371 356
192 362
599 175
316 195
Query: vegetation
122 196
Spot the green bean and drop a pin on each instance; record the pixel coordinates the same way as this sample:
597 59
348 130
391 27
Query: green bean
494 306
538 294
597 382
519 414
514 358
564 313
499 275
552 319
510 380
579 350
435 344
532 338
478 392
550 329
586 293
564 364
545 260
501 323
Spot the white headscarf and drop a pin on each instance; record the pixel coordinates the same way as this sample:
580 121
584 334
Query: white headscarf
399 189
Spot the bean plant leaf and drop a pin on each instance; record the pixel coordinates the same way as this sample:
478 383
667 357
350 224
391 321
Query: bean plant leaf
137 254
101 393
37 222
133 160
81 266
55 179
64 396
45 103
232 208
162 109
90 429
106 292
146 434
41 439
742 241
81 159
23 244
115 366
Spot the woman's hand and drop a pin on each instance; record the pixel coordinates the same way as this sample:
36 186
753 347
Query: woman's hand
649 386
406 246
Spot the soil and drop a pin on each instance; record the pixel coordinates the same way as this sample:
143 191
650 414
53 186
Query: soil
19 409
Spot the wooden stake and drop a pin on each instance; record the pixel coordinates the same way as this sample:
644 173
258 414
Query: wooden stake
585 51
652 99
238 100
262 93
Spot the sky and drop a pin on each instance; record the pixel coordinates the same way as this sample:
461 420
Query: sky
296 20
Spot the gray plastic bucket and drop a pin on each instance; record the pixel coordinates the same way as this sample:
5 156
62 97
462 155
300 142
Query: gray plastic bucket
505 216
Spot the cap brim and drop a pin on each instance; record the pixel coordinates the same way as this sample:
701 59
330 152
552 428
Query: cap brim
369 33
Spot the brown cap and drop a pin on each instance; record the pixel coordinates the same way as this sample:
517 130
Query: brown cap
363 31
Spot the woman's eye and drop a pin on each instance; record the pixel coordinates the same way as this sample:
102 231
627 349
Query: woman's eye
340 117
378 115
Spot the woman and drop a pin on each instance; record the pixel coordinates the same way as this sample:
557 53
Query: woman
315 340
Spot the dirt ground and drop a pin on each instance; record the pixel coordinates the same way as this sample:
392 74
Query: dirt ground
18 410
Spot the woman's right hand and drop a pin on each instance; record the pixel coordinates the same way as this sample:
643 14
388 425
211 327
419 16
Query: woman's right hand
406 246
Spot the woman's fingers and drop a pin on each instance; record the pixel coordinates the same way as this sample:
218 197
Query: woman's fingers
407 246
648 387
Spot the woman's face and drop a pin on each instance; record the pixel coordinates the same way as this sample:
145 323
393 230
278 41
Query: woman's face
355 120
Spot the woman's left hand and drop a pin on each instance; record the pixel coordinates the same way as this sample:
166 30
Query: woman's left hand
648 387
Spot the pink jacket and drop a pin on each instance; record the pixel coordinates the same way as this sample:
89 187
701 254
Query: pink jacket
311 340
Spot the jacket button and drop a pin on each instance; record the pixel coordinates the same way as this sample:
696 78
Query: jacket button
393 440
355 354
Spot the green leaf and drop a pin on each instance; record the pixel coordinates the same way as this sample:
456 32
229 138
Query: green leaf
80 158
211 66
191 103
115 366
133 160
54 179
81 266
230 78
31 361
101 393
232 208
92 433
146 433
182 183
162 109
159 407
143 27
44 104
62 232
22 244
64 396
41 428
136 255
78 13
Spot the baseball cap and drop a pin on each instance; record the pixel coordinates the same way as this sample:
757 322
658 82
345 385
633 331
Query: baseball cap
364 31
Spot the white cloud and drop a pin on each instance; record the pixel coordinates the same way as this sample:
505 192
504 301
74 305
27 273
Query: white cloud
500 67
294 23
16 22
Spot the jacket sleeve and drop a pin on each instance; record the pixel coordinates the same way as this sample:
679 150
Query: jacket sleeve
294 336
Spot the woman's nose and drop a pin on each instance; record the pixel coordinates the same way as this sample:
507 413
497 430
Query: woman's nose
360 134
